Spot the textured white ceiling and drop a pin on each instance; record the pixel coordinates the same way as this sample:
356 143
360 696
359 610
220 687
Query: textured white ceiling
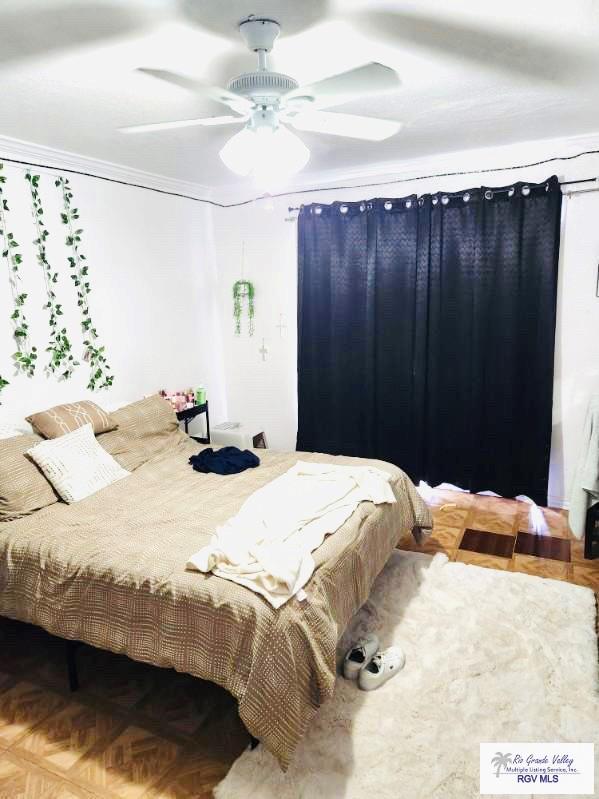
474 74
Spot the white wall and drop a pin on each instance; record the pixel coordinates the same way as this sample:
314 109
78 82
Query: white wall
152 270
265 391
262 393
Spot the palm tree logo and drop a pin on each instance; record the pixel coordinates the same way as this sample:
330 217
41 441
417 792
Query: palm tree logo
501 761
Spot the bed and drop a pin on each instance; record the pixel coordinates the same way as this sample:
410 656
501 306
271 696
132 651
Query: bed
110 571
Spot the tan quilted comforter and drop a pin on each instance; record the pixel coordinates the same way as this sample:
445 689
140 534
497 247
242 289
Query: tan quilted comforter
110 571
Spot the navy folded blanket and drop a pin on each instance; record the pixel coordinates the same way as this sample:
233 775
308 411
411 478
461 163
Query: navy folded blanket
228 460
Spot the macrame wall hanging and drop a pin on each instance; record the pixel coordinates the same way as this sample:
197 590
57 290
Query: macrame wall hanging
61 361
243 295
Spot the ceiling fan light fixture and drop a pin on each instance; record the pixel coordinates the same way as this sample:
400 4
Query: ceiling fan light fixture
235 155
270 155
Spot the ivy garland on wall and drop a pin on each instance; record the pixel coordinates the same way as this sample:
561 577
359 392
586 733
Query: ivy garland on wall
100 374
61 359
25 357
59 347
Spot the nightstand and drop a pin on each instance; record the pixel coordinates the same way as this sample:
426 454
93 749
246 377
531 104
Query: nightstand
187 414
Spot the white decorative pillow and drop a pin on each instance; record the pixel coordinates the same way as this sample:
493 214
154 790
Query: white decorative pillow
76 465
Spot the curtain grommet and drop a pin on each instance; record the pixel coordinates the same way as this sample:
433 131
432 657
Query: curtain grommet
421 201
445 199
362 207
388 205
488 194
318 210
511 192
466 197
408 203
435 200
343 209
525 191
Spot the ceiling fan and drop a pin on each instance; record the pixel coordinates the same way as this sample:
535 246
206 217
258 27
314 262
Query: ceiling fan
268 103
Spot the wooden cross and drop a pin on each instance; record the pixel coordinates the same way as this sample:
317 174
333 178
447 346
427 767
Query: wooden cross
281 326
263 350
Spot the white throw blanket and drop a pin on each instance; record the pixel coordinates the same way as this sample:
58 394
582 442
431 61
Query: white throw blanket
267 546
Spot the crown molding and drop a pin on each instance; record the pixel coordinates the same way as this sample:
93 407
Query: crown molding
39 154
494 158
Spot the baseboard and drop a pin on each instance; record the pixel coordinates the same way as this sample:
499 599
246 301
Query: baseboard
557 502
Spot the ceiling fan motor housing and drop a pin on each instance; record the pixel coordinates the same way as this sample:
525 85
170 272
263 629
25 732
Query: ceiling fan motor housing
259 33
262 87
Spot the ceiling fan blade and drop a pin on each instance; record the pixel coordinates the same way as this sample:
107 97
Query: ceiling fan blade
520 52
369 79
217 93
184 123
350 125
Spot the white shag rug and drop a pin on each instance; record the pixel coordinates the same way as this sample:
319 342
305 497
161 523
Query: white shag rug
491 656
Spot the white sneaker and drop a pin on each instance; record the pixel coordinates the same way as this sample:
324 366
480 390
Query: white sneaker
381 668
359 655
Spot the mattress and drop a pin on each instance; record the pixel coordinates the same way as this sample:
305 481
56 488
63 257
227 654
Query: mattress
110 571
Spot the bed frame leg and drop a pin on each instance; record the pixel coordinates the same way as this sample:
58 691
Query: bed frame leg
72 665
253 742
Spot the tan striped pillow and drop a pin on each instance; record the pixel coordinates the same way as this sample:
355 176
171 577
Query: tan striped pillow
63 419
23 488
76 464
146 428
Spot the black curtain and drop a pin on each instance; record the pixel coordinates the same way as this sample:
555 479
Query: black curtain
426 333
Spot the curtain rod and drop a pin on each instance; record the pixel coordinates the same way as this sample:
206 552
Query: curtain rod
292 208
